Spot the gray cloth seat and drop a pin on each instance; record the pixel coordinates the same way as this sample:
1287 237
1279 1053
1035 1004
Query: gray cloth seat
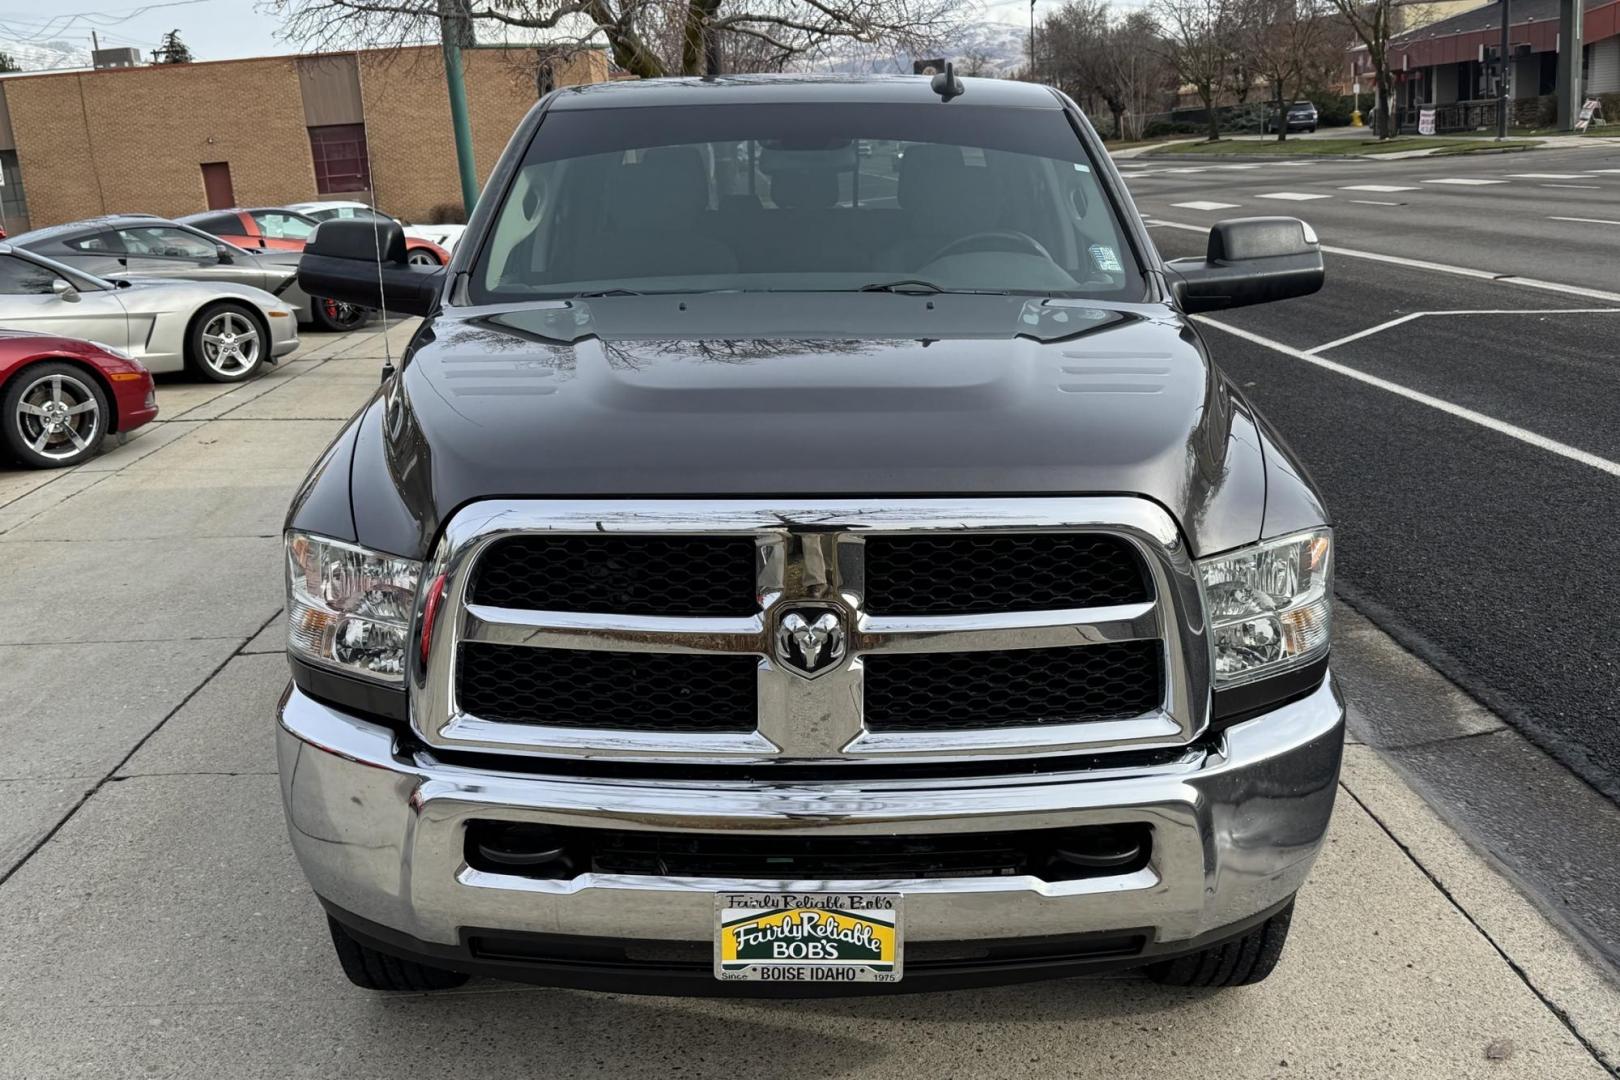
654 223
942 198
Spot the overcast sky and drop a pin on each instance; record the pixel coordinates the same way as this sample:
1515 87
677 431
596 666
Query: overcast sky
221 29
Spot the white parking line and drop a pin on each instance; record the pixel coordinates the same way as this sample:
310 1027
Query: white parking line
1205 205
1440 268
1375 202
1585 220
1582 187
1465 181
1547 175
1378 187
1391 324
1513 431
1294 196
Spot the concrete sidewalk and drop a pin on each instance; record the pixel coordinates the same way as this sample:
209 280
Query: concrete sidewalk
157 925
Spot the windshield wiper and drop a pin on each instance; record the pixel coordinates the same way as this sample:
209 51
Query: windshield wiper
605 292
919 287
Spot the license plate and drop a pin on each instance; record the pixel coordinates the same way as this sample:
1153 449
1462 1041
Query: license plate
807 937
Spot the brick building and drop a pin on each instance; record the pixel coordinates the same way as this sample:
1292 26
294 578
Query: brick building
173 139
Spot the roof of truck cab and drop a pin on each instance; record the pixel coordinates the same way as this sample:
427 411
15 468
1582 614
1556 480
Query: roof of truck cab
801 89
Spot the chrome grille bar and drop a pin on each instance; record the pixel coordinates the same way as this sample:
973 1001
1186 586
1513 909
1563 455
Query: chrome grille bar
813 553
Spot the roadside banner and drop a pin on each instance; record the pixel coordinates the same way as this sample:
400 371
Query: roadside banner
1425 121
1588 111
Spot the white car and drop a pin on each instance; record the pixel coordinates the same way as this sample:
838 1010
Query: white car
220 330
446 236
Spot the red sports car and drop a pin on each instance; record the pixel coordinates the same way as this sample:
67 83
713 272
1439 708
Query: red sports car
60 397
277 227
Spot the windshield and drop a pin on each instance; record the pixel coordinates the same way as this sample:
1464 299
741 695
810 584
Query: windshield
794 198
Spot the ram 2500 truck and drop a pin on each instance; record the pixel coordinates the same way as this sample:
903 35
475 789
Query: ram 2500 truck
807 548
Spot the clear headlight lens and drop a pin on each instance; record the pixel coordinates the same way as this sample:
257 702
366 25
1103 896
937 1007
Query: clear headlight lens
350 608
1270 606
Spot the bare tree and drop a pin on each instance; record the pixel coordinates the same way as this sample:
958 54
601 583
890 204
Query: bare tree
1289 44
1373 22
1095 57
1197 44
649 38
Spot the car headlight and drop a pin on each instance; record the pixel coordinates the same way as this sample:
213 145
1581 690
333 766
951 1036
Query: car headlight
104 347
1270 606
349 608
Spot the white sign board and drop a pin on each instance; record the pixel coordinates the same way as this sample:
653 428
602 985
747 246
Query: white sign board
1588 111
1425 121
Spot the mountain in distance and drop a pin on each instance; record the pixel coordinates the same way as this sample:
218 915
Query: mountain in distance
985 48
47 55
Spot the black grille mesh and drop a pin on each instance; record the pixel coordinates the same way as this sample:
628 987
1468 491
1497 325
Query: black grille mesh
1014 688
630 691
968 574
624 575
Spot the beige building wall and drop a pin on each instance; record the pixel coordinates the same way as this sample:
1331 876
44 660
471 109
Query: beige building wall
135 139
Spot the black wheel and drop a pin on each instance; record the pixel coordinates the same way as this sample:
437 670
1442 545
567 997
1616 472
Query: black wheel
1239 962
373 970
337 315
227 343
55 415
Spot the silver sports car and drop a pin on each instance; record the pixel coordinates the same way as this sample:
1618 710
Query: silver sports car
219 330
143 245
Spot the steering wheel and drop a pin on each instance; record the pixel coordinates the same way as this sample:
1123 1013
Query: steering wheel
994 240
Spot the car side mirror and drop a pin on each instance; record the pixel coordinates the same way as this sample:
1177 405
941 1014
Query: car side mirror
1249 261
364 263
65 291
224 253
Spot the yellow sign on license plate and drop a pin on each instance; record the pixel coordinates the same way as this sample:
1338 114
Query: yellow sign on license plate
807 937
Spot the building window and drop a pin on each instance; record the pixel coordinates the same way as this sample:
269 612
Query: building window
340 158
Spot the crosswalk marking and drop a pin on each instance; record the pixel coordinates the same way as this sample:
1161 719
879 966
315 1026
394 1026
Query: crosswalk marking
1294 196
1465 181
1203 204
1386 188
1547 176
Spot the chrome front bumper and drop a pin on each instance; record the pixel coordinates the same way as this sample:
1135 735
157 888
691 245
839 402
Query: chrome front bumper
1235 830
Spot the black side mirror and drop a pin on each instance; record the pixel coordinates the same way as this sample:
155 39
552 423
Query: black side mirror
364 263
224 253
1249 261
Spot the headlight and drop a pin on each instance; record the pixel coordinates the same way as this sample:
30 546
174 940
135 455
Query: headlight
1270 606
349 608
104 347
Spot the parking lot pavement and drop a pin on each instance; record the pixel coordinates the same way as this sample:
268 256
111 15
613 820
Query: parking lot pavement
157 925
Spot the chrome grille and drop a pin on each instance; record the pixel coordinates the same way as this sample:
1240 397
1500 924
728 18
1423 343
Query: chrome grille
1120 662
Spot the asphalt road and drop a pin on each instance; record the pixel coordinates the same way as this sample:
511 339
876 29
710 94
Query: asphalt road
1463 421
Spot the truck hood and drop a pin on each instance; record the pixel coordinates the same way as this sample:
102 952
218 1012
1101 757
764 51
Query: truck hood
809 395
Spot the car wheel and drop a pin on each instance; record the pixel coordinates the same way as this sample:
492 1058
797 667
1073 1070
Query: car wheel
1238 962
227 343
373 970
338 315
422 257
55 416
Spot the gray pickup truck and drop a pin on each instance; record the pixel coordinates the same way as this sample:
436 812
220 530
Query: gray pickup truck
806 548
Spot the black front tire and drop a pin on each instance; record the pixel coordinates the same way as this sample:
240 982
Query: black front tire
54 385
372 970
1238 962
336 316
204 357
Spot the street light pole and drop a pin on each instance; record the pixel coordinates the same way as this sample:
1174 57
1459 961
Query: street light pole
455 31
1034 71
1502 101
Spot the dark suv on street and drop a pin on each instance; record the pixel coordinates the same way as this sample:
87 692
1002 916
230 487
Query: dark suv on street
806 548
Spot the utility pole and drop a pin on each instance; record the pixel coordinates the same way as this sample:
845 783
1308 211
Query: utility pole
1034 71
456 33
1571 74
1504 100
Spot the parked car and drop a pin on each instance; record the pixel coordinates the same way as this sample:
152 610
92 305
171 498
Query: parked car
219 330
141 245
275 227
1301 117
60 397
745 591
446 236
